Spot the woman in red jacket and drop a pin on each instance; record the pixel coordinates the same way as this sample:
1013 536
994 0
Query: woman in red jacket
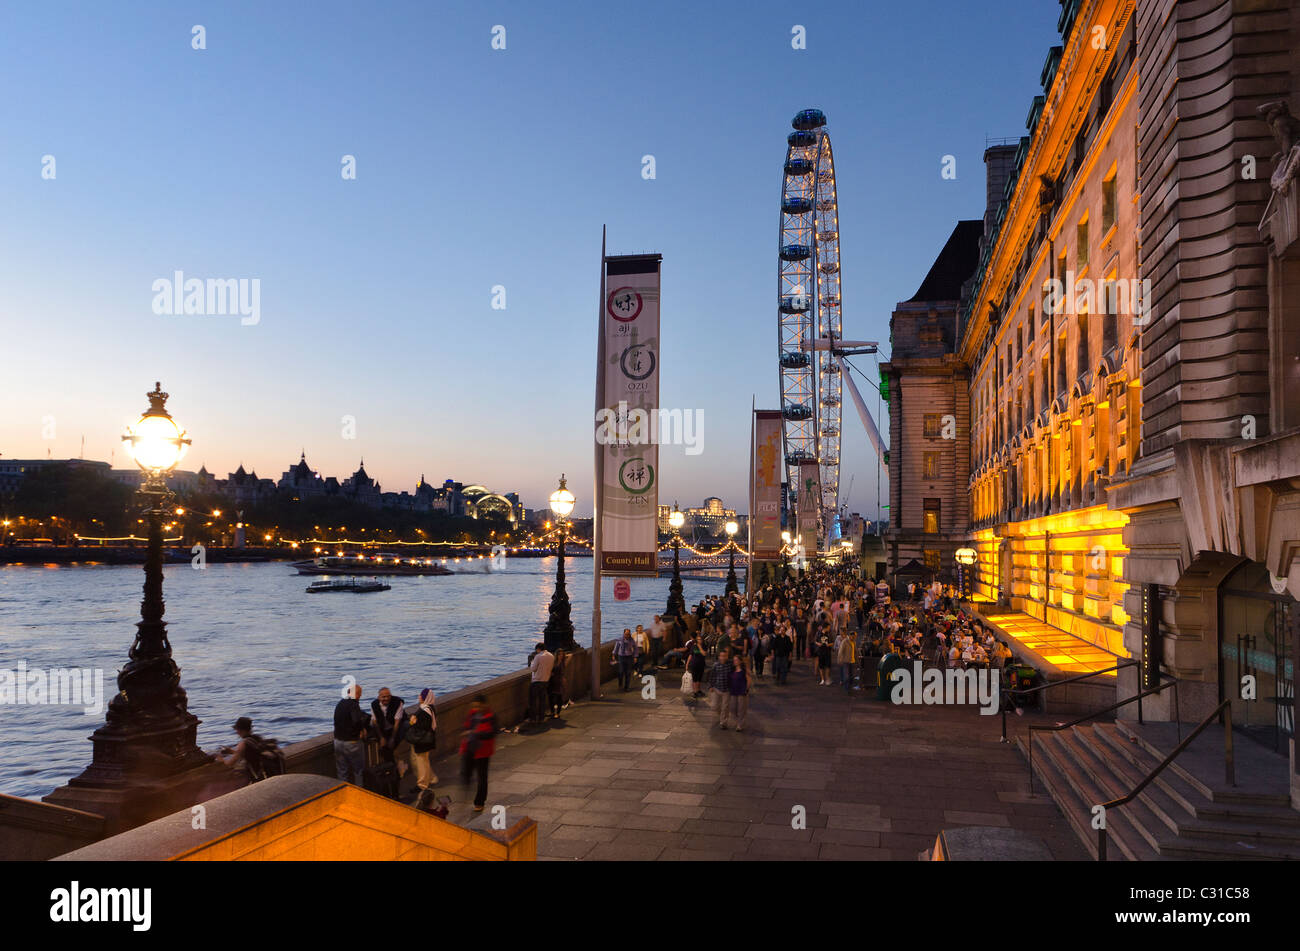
477 747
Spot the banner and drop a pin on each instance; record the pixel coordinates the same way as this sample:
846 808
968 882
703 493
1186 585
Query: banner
765 503
627 436
810 502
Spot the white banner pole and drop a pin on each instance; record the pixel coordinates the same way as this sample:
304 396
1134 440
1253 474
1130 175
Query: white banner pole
599 494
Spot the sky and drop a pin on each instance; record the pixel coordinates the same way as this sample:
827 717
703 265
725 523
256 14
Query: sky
476 169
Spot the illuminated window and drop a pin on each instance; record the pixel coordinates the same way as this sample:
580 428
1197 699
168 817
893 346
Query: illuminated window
931 523
931 426
931 556
1108 202
931 466
1081 248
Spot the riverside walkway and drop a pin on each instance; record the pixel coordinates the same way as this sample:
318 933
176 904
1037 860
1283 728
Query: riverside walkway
627 778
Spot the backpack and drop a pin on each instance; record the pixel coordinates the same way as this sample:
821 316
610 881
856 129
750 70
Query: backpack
263 757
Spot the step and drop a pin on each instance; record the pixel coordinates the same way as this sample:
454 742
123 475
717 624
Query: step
1219 793
1150 815
1213 849
1189 797
1123 776
1075 792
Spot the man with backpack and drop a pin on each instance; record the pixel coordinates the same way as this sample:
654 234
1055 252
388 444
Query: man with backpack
256 756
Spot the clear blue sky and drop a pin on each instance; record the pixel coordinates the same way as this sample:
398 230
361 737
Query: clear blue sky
475 167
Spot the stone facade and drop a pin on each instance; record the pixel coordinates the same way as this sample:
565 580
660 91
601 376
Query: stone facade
929 410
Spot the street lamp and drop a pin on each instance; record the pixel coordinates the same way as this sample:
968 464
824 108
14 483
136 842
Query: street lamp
148 736
676 603
558 633
732 587
965 557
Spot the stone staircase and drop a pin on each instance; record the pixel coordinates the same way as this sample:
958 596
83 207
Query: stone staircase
1182 814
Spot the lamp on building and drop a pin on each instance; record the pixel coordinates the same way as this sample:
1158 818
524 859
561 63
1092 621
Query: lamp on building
676 603
965 558
732 587
149 735
558 633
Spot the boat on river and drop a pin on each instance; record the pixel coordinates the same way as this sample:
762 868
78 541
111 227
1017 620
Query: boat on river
381 563
347 584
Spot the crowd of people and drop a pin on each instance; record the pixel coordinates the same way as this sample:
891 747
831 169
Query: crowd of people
844 627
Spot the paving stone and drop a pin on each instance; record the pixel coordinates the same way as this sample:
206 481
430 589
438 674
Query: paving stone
674 798
667 809
834 852
624 851
591 834
975 818
777 832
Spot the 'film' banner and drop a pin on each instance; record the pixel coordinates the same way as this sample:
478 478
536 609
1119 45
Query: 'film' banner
627 382
765 506
810 500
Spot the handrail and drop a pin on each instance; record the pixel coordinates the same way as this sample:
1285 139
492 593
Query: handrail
1171 682
1229 768
1128 662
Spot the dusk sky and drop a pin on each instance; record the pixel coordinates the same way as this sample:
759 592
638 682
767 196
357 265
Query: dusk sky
475 167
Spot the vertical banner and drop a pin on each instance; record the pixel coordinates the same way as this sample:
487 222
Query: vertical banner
627 424
810 500
765 506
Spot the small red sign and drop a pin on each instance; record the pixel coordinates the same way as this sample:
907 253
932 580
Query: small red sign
622 589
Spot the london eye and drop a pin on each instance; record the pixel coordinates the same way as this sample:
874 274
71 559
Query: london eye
808 313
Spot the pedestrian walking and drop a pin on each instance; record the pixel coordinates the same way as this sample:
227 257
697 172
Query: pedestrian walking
556 686
823 661
625 657
782 648
695 664
847 659
720 685
477 747
388 721
541 665
421 740
642 648
350 723
656 641
738 695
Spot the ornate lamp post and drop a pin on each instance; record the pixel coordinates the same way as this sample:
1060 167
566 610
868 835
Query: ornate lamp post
676 603
732 587
785 553
965 557
559 628
148 737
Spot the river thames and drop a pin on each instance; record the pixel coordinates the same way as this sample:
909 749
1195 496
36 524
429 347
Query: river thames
251 642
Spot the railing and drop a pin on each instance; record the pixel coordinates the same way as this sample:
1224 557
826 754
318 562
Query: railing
1042 728
1069 680
1229 769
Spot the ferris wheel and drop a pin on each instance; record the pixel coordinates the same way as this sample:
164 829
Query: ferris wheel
809 326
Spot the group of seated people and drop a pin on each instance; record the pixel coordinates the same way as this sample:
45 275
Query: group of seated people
942 640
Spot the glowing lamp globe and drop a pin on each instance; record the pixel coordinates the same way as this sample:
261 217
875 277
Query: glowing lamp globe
562 501
676 519
732 528
785 537
156 443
